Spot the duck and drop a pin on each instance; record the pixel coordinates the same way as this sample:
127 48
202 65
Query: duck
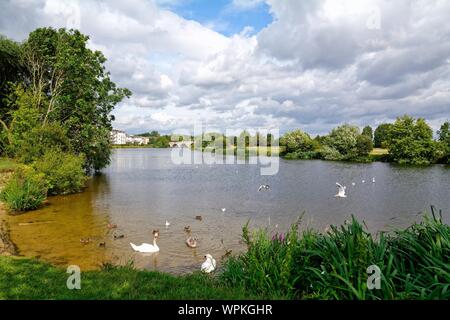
102 244
187 229
120 236
191 242
146 247
227 253
112 226
209 265
85 240
199 218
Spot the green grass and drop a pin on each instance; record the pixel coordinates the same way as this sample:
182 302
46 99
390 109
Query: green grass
414 262
22 278
7 164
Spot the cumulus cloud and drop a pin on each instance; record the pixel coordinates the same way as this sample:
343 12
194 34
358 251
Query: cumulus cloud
318 64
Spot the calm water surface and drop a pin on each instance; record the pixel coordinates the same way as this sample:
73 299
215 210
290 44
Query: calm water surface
142 188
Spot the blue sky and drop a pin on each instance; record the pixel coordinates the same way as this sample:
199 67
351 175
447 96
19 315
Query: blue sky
222 15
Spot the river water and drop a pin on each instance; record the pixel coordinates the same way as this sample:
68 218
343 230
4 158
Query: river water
142 188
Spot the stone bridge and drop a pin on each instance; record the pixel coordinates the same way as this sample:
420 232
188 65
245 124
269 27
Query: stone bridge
181 144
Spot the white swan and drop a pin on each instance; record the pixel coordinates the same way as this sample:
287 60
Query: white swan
146 247
373 180
209 265
341 192
167 223
224 209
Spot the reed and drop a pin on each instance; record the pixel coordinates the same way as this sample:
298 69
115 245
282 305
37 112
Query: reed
414 262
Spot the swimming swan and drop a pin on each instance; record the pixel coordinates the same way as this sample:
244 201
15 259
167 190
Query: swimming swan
209 265
146 247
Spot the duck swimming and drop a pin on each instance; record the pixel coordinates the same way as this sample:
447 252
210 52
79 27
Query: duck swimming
111 226
187 229
199 218
146 247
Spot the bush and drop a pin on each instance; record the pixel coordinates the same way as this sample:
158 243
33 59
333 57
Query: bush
63 172
26 190
307 155
329 153
413 262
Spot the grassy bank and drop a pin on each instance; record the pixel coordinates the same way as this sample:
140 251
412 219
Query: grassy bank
22 278
413 263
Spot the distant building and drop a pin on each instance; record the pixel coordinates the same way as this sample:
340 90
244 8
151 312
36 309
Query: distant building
137 140
121 137
118 137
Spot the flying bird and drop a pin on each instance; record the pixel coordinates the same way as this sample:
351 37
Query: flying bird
264 187
341 191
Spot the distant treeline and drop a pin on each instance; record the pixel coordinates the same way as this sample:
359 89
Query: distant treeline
407 141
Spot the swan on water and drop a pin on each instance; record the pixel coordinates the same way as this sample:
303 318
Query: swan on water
224 209
146 247
167 223
373 180
209 265
341 191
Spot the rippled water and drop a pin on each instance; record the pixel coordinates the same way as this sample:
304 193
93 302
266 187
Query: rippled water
142 188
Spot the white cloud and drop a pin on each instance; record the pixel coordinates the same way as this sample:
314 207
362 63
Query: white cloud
318 64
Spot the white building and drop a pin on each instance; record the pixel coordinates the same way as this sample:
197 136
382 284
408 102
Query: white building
118 137
137 140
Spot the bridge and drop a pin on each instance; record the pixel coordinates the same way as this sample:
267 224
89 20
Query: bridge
181 144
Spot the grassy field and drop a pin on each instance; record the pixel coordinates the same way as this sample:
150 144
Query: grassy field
379 151
22 278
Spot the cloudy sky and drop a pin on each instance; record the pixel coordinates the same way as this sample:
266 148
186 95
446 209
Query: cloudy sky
260 63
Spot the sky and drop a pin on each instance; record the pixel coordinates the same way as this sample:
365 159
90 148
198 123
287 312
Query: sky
249 64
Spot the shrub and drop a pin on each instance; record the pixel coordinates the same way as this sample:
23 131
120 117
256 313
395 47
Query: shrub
63 172
329 153
413 262
26 190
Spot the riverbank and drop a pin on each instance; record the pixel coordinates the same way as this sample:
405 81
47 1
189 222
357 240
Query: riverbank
339 264
22 278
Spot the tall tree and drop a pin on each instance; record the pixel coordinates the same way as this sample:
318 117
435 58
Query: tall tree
71 86
381 135
367 131
411 141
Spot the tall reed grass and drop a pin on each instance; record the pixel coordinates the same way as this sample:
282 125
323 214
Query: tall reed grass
414 262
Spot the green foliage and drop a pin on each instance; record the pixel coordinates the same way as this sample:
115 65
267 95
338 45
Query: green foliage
26 190
297 141
63 172
413 262
444 139
411 142
299 155
66 83
367 131
381 135
343 138
364 145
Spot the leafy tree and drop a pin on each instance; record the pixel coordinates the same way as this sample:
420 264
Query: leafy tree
297 141
411 142
381 135
367 131
364 145
444 139
343 138
70 85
